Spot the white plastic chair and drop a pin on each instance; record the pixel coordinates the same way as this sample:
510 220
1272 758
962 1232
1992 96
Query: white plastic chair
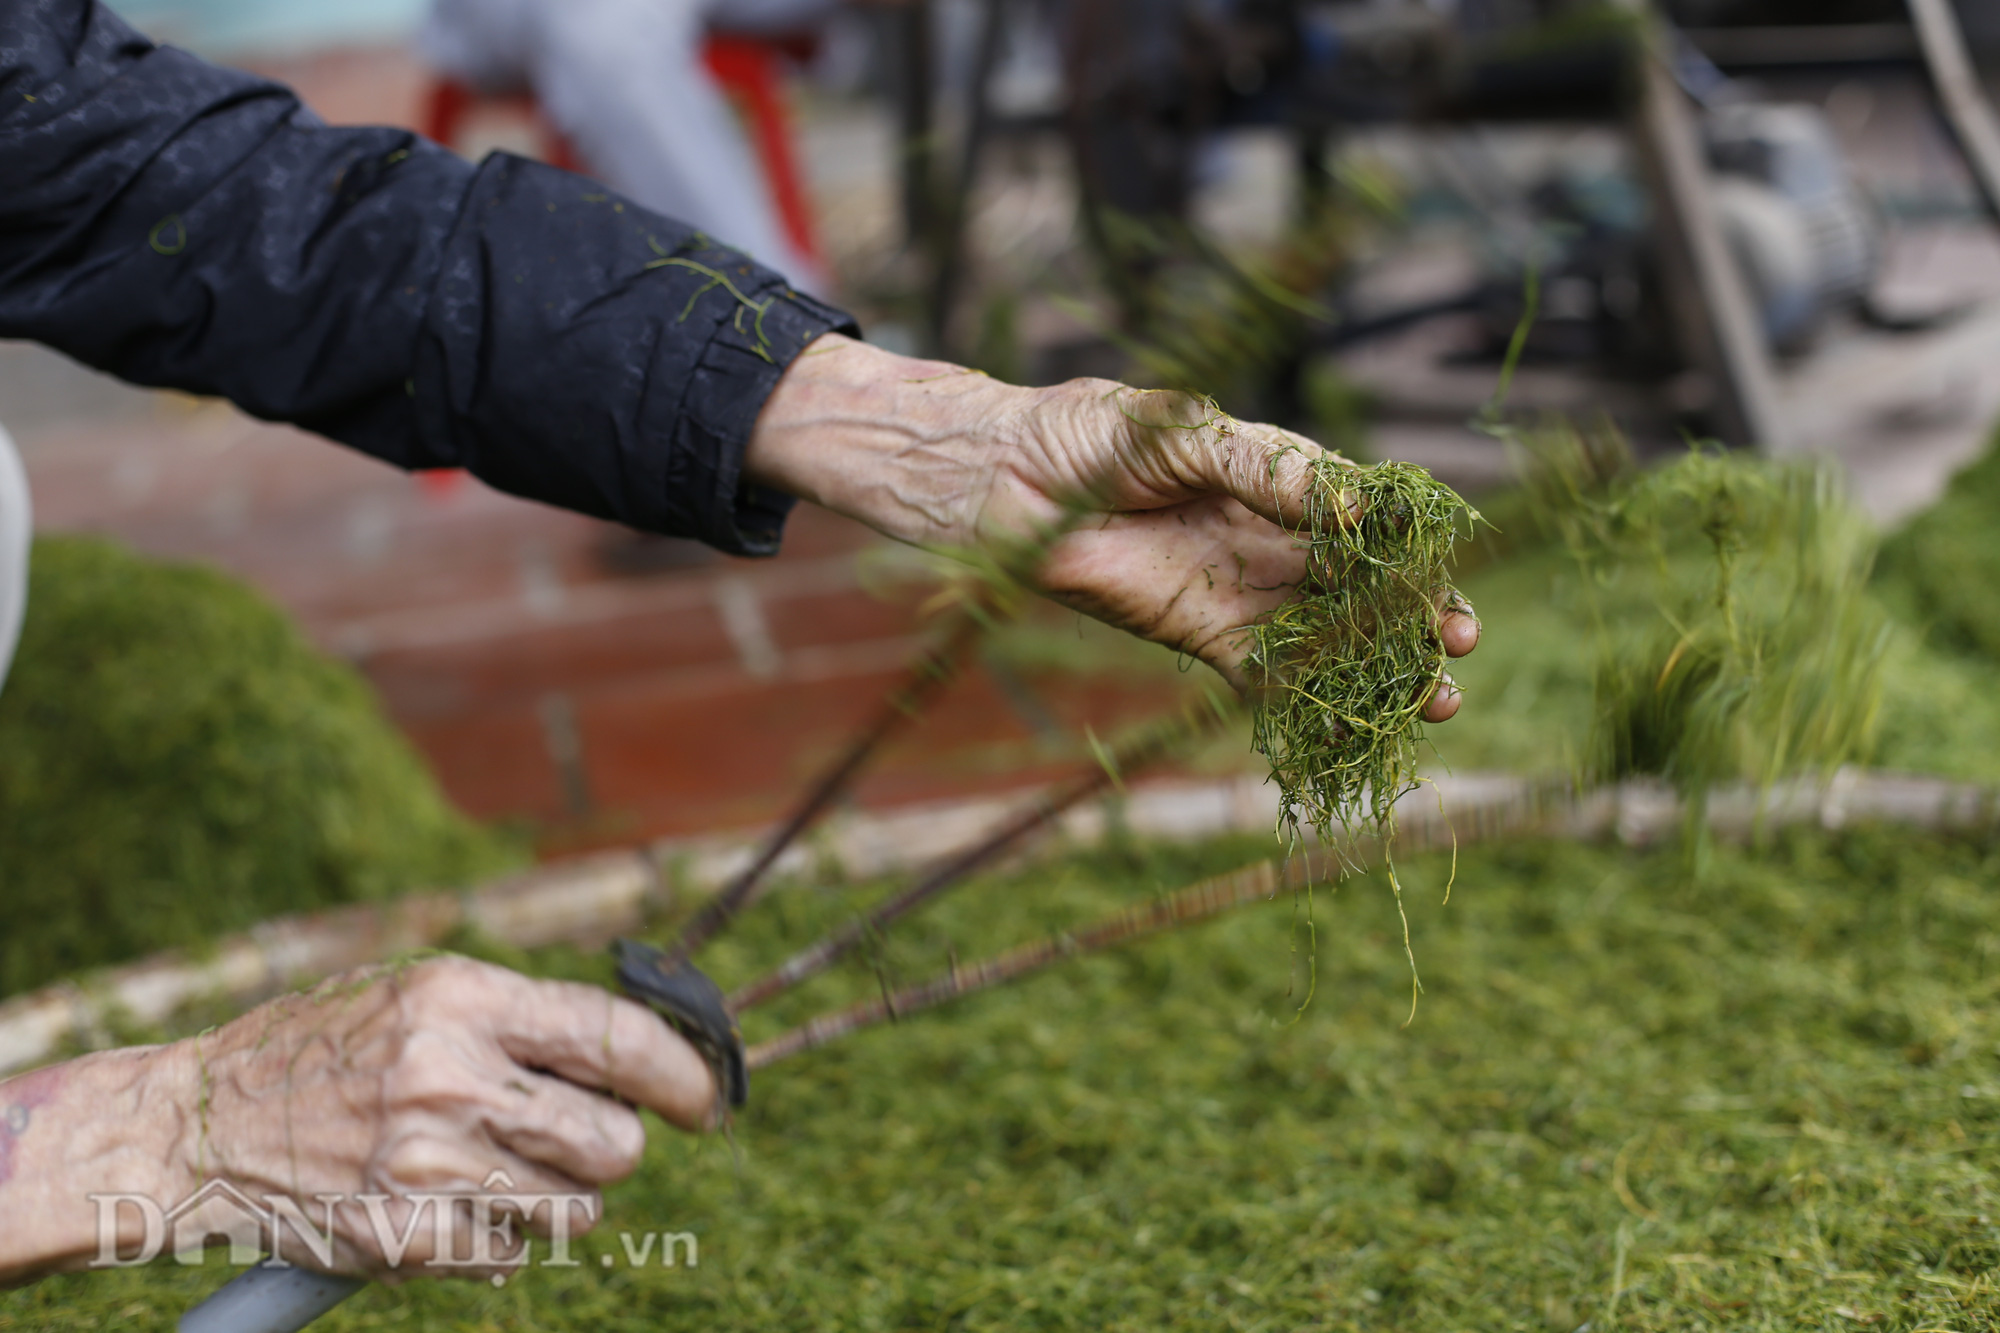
17 525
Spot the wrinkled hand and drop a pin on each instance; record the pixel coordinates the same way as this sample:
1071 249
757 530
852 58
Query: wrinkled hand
427 1080
1188 542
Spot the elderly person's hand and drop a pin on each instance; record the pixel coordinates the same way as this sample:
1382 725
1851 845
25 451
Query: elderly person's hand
1191 540
389 1083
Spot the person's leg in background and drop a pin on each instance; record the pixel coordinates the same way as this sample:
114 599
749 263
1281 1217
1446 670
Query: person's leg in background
624 82
624 79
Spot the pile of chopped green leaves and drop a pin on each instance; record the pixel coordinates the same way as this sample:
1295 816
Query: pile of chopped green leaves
176 762
1733 634
1942 565
1343 670
1530 688
1767 1099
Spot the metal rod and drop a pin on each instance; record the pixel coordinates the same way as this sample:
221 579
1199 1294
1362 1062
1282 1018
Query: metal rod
1806 44
951 241
1715 318
1965 106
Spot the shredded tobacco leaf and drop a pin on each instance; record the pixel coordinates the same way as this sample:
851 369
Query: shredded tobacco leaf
1342 671
1735 638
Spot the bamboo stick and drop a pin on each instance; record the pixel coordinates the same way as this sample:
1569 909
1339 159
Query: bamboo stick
1209 898
994 596
1155 743
934 669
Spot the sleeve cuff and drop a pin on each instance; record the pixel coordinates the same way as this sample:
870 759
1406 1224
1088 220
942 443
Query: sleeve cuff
749 348
585 352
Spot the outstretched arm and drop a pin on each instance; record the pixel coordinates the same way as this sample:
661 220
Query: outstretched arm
1191 537
184 225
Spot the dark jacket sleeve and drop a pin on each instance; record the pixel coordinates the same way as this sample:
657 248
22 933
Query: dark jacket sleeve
182 225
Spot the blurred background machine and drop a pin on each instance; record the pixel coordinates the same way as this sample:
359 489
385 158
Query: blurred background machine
1707 262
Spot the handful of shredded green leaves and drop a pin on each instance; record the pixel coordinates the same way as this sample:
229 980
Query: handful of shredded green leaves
1342 671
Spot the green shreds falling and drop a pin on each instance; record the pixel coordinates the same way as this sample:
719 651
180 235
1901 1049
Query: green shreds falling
1945 563
1343 670
1734 637
1766 1100
176 762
